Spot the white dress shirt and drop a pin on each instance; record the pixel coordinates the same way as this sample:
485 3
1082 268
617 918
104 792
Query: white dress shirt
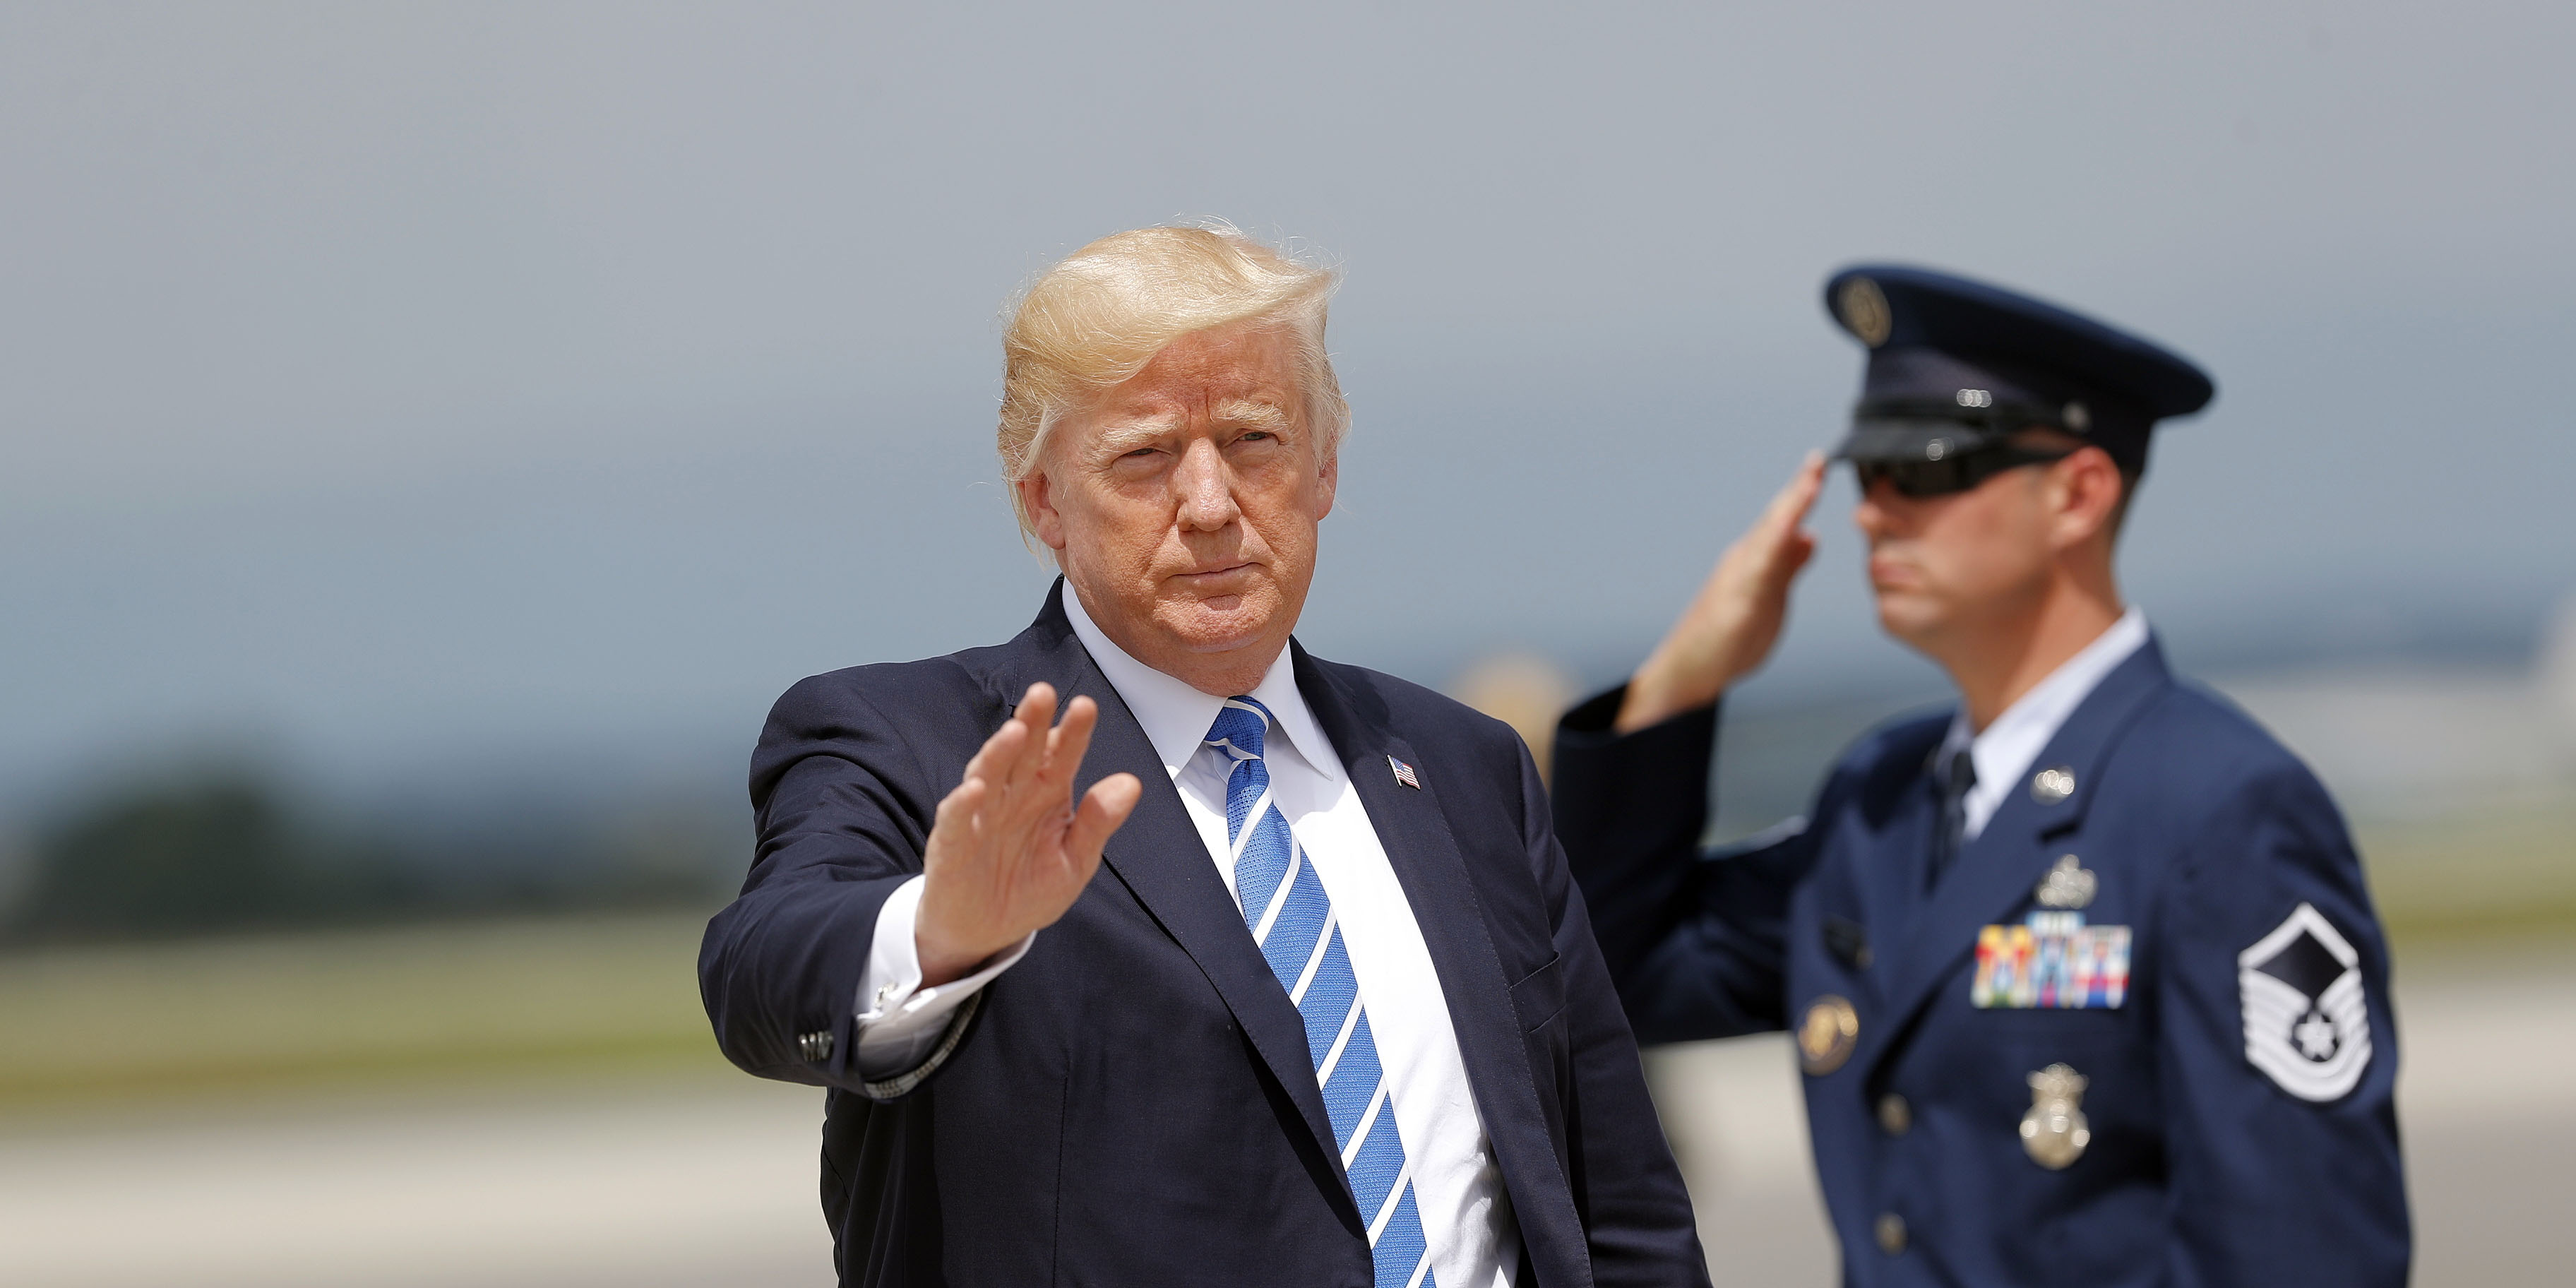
2003 751
1457 1186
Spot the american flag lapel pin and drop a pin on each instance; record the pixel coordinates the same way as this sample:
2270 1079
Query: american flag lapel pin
1404 773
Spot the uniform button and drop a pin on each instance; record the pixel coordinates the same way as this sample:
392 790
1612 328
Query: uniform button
1896 1116
1891 1233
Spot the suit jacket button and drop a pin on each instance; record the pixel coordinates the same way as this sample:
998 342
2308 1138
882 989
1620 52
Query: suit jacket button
1891 1233
1894 1115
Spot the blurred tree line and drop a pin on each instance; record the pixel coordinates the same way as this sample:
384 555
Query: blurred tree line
232 850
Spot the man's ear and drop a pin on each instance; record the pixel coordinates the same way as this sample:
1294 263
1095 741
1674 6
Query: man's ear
2085 496
1039 501
1327 478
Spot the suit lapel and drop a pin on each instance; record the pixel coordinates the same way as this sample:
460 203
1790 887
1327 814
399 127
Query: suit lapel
1900 853
1159 856
1415 832
2008 858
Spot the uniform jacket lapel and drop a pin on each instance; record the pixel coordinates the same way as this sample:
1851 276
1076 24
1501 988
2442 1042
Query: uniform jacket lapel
1428 863
1994 872
1159 856
1893 889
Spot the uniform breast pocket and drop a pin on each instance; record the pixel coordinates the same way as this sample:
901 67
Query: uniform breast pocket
1540 995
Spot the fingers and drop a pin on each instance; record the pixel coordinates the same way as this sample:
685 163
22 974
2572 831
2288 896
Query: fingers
1811 478
994 760
960 802
1789 506
955 818
1035 716
1028 765
1069 741
1103 810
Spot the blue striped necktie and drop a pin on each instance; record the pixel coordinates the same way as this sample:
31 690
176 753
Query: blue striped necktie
1292 920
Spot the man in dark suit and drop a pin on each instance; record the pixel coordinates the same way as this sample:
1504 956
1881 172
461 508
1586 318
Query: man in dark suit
2084 978
1332 1016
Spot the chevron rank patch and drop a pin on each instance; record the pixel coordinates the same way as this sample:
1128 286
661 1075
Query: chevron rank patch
2307 1023
2053 961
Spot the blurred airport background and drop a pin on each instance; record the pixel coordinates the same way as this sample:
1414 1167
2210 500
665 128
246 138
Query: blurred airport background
431 434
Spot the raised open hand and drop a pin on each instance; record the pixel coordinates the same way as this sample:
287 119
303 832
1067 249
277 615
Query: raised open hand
1730 627
1010 850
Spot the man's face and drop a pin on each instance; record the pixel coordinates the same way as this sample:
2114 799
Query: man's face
1183 504
1944 566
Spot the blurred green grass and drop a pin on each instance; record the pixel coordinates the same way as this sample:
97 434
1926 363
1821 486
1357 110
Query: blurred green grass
597 995
428 1002
2505 869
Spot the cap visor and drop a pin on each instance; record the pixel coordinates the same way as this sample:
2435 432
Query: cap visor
1907 440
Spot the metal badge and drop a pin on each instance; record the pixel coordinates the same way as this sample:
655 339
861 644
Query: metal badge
1826 1036
2054 784
2068 885
1863 308
1404 773
2054 1132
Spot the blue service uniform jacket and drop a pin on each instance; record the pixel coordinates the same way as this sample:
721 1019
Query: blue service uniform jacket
1133 1103
2202 836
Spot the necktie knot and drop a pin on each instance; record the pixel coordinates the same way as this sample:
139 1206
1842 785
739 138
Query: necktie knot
1239 728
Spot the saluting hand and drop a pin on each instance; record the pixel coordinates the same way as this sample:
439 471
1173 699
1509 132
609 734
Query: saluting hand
1729 629
1010 849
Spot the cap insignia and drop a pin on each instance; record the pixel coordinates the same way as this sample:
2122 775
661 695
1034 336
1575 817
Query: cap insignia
1864 311
2078 417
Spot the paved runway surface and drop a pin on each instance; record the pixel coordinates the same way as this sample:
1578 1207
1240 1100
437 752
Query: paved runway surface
712 1182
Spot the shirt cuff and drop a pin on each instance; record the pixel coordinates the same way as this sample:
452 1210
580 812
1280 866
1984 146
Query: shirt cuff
899 1020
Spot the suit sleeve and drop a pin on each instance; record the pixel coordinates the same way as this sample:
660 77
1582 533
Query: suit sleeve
1694 941
2280 1084
842 809
1637 1217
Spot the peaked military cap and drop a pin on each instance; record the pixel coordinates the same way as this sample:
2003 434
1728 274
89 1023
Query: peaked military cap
1955 365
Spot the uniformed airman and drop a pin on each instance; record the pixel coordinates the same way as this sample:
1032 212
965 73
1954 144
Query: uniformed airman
2083 978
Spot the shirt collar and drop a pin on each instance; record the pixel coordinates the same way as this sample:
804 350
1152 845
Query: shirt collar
2007 746
1176 717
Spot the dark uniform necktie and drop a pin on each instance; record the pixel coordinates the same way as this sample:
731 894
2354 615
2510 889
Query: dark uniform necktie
1957 773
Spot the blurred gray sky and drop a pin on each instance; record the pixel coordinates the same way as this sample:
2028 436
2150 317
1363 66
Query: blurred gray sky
401 385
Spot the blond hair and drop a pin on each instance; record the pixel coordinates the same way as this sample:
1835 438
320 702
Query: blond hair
1098 317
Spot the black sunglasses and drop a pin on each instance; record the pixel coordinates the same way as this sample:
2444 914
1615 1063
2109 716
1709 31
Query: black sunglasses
1956 472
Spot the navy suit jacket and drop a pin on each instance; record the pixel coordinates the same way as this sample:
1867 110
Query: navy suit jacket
1133 1103
2203 834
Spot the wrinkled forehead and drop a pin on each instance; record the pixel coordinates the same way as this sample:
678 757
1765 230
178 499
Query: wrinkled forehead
1233 377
